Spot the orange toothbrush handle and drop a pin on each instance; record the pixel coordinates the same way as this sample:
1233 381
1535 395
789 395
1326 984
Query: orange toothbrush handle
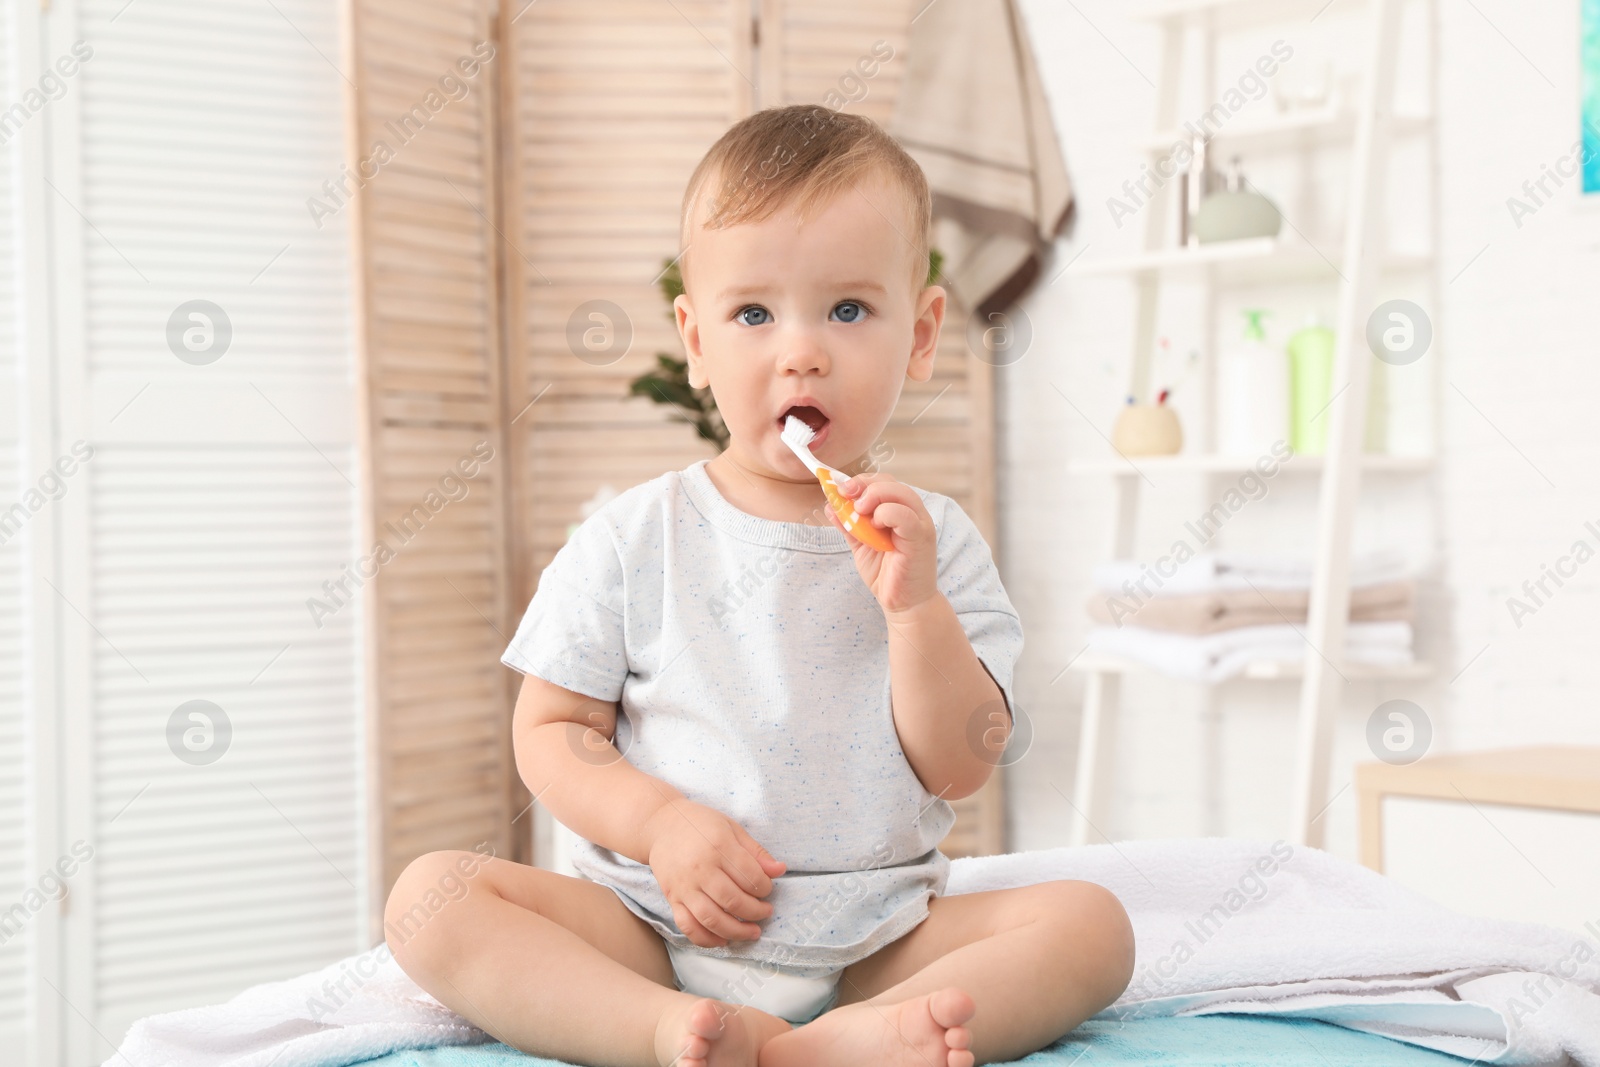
861 529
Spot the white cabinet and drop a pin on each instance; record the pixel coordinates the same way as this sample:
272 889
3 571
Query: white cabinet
1499 860
1508 834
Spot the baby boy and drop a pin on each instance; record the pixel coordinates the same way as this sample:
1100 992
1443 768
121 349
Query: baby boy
755 722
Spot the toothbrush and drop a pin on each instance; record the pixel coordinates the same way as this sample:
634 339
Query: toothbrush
797 435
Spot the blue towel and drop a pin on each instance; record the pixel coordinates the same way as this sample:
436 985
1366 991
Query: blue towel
1195 1041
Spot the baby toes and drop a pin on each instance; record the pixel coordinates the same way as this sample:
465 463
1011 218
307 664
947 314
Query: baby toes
952 1008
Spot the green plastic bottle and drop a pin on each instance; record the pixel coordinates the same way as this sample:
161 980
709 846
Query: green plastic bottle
1311 393
1310 388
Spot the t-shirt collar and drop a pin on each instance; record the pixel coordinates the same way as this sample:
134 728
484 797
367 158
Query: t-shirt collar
718 512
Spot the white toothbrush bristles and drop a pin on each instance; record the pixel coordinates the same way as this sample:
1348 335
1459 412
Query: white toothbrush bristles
796 432
797 435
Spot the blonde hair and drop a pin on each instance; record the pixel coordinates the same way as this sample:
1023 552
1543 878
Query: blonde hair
803 154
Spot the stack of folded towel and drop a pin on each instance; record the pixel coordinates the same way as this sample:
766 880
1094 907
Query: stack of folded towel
1211 616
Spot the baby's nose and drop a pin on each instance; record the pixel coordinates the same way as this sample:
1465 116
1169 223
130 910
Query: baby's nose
802 350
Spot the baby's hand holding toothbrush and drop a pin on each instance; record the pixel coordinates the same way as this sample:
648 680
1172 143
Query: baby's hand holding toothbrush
906 577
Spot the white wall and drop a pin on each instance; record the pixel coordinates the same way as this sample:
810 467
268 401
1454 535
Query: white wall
1514 382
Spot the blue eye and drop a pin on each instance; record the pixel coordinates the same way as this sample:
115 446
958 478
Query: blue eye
763 316
850 311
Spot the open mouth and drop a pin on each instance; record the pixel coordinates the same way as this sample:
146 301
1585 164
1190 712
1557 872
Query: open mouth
809 414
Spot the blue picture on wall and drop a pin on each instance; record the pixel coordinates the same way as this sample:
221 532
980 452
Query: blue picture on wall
1589 76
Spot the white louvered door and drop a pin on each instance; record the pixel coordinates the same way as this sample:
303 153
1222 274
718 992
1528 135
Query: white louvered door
221 496
16 932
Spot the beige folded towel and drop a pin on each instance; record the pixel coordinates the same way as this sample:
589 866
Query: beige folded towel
972 112
1209 613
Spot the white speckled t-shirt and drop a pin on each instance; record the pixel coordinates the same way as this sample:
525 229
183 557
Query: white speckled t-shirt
751 664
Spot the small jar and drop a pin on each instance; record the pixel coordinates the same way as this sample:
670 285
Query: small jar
1147 430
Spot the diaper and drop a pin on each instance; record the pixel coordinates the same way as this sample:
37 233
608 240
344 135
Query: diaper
764 986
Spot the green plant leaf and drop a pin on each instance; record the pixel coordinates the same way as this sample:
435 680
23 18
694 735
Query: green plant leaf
669 384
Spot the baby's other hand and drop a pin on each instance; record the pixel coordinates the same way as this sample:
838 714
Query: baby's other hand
908 576
711 872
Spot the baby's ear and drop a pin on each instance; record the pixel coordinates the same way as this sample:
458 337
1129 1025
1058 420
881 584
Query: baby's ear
689 330
925 332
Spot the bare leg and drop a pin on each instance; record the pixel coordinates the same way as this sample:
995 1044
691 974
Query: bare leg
986 977
557 967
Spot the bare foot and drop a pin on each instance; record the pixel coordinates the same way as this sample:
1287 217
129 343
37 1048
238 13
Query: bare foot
922 1031
709 1033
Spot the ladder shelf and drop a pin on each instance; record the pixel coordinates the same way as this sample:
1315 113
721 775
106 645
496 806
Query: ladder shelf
1355 265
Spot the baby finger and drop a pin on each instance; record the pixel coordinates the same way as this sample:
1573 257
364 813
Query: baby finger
693 930
750 870
719 922
744 872
735 901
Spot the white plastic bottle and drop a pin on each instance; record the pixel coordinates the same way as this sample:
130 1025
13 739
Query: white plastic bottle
1252 393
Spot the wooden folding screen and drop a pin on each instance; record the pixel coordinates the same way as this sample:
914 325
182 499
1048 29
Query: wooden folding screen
614 103
425 183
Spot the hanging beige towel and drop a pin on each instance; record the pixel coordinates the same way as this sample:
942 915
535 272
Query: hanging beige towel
973 113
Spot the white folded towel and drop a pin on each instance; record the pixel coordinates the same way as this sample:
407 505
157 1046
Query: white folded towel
1226 653
1224 925
1221 925
1214 571
353 1010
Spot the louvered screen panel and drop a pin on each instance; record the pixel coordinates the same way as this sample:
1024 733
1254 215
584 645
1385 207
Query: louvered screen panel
434 399
14 809
615 102
851 55
221 496
15 812
214 877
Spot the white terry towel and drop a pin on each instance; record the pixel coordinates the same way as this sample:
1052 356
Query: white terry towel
1225 654
1213 571
357 1009
1229 925
1221 925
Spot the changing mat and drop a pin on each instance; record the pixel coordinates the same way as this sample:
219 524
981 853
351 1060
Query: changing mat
1212 1041
1223 927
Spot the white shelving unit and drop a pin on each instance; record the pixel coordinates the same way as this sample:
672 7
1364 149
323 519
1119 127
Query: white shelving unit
1205 463
1252 260
1263 670
1366 127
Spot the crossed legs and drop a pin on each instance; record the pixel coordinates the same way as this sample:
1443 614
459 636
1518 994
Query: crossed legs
559 967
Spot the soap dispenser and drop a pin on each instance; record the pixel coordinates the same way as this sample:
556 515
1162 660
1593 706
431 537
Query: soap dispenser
1235 213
